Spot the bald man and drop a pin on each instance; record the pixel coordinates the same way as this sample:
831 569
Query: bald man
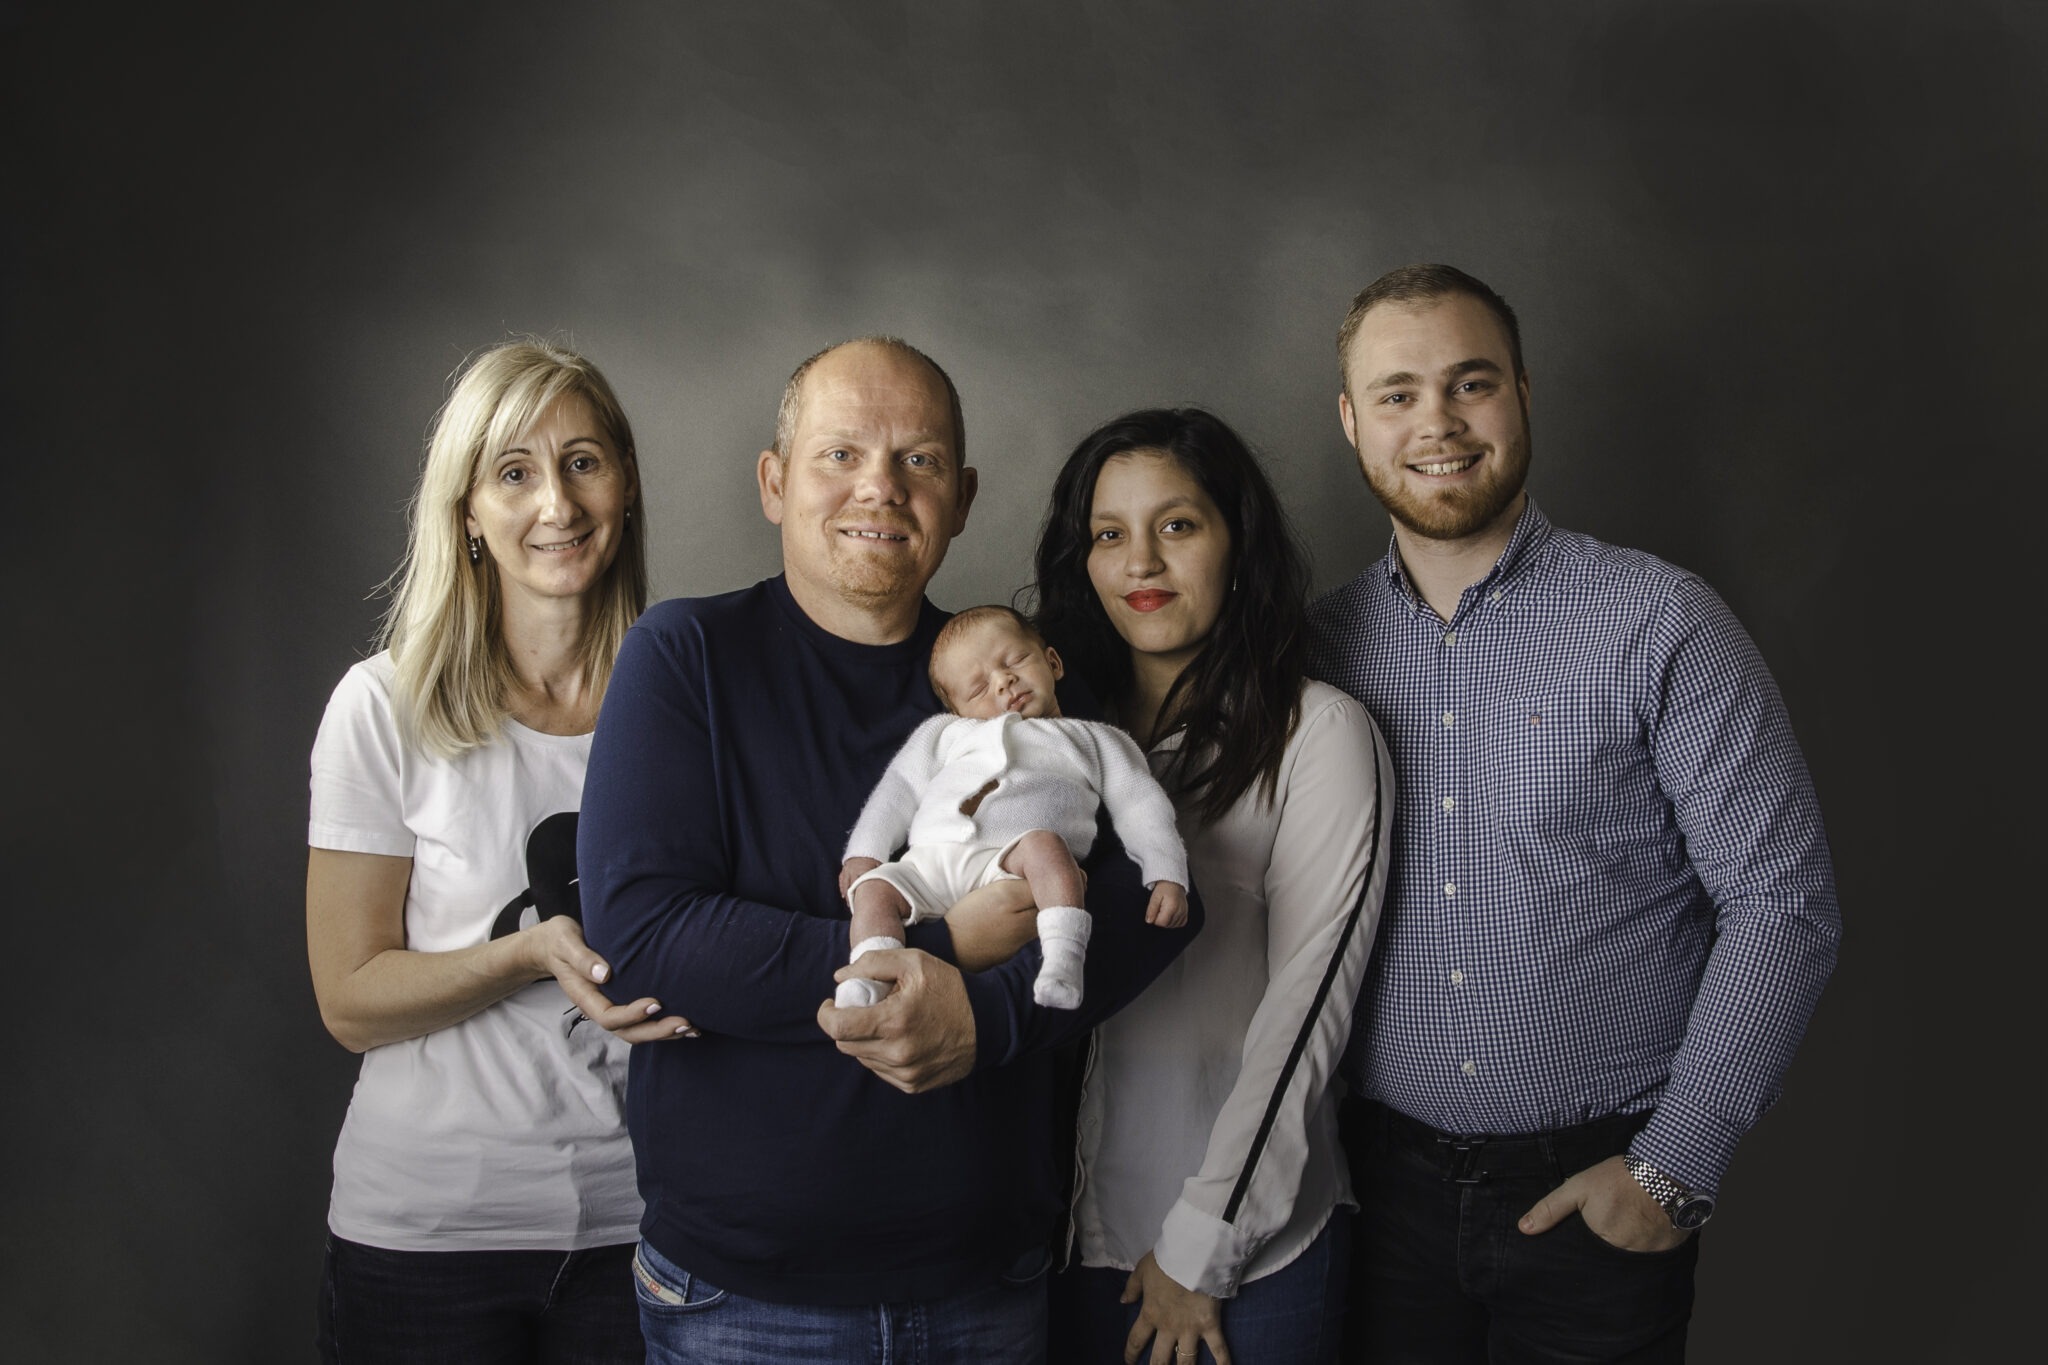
825 1183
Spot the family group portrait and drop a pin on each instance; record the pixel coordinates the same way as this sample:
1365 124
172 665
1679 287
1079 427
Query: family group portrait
1059 684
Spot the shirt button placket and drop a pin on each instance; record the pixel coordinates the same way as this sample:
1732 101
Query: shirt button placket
1453 741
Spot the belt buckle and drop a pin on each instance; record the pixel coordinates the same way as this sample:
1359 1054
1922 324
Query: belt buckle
1461 1160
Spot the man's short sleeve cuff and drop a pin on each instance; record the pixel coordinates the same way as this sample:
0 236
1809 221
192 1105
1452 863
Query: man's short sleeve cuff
1200 1251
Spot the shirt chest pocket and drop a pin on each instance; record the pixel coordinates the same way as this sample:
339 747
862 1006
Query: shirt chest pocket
1561 763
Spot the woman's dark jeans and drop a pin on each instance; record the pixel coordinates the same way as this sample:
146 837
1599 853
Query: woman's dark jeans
478 1307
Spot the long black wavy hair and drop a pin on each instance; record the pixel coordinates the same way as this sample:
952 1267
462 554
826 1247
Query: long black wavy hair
1239 698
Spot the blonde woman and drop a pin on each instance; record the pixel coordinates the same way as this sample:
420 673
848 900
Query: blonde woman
484 1207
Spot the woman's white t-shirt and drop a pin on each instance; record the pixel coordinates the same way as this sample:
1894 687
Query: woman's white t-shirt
506 1131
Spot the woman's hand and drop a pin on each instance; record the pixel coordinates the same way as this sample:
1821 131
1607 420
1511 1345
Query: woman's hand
989 926
374 990
1175 1320
556 948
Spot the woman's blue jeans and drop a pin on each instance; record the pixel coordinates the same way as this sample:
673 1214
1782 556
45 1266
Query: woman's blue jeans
1294 1316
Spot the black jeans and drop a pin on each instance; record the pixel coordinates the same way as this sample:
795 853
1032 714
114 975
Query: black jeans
478 1307
1442 1276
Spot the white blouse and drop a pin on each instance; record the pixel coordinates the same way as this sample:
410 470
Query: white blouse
1208 1130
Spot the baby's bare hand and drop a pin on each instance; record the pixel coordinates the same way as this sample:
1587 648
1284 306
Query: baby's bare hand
1169 906
853 870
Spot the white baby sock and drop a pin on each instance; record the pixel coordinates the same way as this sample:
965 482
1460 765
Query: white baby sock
1063 934
859 990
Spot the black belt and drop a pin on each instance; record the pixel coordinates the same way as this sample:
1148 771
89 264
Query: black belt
1465 1159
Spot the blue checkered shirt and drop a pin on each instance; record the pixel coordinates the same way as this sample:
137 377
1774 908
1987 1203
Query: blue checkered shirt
1611 890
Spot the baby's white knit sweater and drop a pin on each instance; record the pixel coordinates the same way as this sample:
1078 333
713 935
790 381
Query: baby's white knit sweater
1050 773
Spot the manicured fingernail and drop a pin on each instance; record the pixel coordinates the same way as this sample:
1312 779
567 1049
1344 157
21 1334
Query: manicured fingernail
600 972
654 1007
686 1031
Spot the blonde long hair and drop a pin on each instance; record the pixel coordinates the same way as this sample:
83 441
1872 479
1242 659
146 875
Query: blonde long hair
444 629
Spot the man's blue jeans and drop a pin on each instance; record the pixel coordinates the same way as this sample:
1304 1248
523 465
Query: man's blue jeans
688 1322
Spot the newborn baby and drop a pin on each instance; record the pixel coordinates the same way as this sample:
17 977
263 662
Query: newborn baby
1004 787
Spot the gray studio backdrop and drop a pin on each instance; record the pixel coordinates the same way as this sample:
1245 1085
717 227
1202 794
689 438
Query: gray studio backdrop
1781 278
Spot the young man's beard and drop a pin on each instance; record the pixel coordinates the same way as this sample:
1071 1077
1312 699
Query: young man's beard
1455 513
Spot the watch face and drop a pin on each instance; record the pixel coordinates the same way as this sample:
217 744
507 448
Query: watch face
1691 1213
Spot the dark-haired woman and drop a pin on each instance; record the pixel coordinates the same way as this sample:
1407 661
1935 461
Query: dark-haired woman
1208 1223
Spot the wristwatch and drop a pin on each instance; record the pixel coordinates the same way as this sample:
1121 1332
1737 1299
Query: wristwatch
1686 1209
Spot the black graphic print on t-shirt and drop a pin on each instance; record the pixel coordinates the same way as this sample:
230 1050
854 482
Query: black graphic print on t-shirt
550 878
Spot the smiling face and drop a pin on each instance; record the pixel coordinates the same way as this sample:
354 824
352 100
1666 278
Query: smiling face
994 666
1438 417
551 507
871 491
1159 557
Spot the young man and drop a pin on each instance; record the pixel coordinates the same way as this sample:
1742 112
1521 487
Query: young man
1612 907
889 1179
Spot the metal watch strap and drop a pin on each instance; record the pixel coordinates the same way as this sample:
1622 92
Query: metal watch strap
1684 1208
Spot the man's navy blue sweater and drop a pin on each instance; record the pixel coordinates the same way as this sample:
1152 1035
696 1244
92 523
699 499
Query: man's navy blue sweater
737 744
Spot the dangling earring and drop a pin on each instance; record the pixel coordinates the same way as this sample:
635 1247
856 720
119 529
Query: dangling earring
476 551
